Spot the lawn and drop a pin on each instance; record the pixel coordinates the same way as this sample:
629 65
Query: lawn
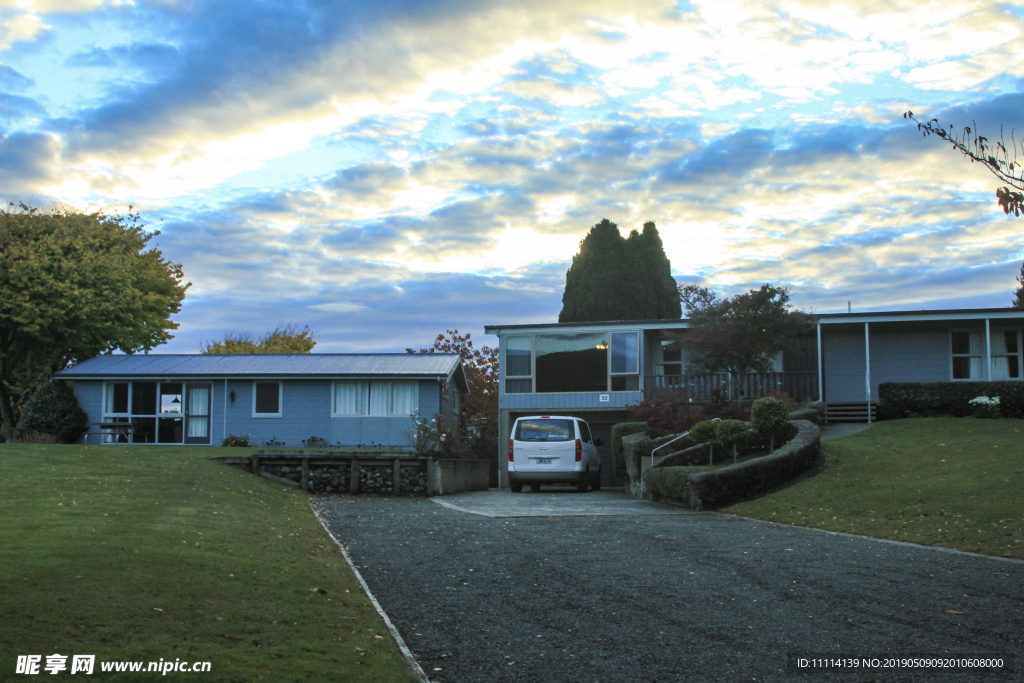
949 482
145 553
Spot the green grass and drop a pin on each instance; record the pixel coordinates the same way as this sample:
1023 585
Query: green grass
145 552
949 482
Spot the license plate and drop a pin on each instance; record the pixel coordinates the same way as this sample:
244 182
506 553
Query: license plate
544 461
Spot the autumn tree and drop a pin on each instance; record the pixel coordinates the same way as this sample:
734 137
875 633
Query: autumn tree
742 334
283 339
996 158
74 285
617 278
480 407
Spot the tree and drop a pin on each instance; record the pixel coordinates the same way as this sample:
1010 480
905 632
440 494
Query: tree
616 278
740 335
1018 296
996 159
480 407
53 410
74 285
283 339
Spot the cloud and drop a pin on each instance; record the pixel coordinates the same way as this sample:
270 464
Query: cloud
12 80
339 307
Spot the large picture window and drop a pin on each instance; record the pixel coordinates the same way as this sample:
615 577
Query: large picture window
393 398
157 412
968 356
572 362
625 361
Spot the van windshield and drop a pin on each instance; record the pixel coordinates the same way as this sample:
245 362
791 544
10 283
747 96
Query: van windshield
545 430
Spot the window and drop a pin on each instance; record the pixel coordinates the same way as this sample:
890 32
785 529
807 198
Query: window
545 430
159 412
1005 355
519 365
625 361
572 362
967 355
375 398
585 432
266 399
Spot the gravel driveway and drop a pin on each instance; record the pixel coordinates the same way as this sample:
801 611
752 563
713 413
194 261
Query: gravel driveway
692 597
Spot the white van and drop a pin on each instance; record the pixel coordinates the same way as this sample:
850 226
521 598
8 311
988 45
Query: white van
553 449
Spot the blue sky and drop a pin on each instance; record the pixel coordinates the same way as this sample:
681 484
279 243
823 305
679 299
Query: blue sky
386 171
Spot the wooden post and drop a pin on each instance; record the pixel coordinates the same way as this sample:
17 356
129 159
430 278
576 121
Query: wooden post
305 474
354 477
396 478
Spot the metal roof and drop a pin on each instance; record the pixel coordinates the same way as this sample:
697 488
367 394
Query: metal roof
160 365
824 318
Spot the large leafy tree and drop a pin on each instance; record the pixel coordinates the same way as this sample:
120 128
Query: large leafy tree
74 285
283 339
995 157
617 278
480 407
741 334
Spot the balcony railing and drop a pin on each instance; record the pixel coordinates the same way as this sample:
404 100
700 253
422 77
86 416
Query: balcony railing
800 386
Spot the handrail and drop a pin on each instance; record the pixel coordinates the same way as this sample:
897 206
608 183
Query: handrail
715 419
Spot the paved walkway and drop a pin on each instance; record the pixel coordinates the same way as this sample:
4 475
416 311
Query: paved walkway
568 503
838 429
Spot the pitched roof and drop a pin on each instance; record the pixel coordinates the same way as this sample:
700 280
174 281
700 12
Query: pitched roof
325 365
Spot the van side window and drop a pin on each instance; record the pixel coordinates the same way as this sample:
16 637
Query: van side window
585 432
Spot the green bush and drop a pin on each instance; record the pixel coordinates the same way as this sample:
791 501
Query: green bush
935 399
618 431
768 416
54 410
703 432
731 433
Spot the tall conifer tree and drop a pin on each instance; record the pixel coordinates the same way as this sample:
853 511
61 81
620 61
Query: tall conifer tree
612 278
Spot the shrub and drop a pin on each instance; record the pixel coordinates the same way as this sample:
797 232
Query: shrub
768 417
315 442
666 411
436 437
236 441
618 431
53 409
703 432
786 399
985 408
36 437
731 434
935 399
272 442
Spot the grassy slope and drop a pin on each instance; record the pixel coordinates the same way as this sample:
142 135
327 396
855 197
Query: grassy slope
955 483
96 539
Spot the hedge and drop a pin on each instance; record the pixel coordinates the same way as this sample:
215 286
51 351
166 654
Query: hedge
929 399
618 431
715 488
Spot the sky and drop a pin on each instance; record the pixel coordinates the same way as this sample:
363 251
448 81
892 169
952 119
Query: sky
386 171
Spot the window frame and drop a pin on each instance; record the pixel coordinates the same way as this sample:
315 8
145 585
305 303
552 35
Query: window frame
611 347
981 356
365 384
533 366
280 400
1017 354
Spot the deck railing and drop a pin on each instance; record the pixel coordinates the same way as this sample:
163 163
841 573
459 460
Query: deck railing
800 386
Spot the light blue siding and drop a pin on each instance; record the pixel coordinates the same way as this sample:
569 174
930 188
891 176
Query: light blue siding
90 398
430 398
571 401
896 356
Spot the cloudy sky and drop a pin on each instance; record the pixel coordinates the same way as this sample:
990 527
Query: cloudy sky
385 171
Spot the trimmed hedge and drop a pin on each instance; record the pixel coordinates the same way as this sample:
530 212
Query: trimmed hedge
934 399
694 455
618 431
768 416
715 488
52 409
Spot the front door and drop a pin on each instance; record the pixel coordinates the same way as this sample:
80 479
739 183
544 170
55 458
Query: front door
197 413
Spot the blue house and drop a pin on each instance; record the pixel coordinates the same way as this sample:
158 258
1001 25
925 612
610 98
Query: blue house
596 370
346 399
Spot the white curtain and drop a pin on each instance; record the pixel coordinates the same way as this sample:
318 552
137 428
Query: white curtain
380 398
404 398
199 401
978 351
198 426
350 398
1000 368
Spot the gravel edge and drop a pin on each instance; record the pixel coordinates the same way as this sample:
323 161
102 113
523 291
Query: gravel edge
414 666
